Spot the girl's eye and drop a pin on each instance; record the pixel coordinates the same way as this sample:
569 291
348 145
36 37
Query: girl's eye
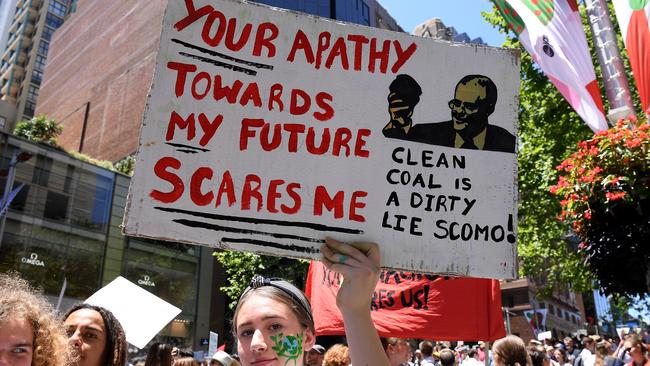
90 336
275 326
20 350
246 333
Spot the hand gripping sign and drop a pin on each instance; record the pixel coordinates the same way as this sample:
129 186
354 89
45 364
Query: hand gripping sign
267 131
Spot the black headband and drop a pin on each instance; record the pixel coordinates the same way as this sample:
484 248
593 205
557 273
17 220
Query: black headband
289 289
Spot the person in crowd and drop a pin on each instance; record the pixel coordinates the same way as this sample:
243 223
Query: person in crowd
510 351
538 356
481 351
30 334
186 361
398 350
96 336
235 360
337 355
447 357
314 356
417 357
605 355
273 323
572 351
637 351
587 356
561 357
160 354
472 358
220 358
426 348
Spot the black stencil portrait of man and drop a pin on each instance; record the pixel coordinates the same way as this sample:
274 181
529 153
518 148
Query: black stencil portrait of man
475 98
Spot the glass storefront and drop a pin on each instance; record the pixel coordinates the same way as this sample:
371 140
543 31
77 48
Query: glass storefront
56 226
63 227
169 271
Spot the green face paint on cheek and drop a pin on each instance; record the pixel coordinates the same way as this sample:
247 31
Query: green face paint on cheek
289 346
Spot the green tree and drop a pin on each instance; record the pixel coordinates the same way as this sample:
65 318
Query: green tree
125 165
549 131
241 267
39 129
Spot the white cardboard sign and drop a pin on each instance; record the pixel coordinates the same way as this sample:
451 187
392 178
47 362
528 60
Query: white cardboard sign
141 313
268 130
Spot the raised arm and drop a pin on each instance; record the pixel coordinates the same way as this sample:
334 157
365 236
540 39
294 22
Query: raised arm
358 263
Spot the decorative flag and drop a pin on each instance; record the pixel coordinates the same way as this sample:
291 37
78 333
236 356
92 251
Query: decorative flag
633 18
408 305
552 32
536 319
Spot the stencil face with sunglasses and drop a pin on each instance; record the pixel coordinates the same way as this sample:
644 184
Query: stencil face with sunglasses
475 98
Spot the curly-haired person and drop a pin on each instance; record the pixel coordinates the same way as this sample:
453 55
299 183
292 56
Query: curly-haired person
30 334
337 355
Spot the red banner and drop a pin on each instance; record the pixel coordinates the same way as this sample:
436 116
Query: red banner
407 305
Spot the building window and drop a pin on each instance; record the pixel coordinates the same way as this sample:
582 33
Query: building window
43 47
32 93
551 309
365 11
56 206
47 33
37 76
3 121
39 63
53 21
30 107
58 9
42 169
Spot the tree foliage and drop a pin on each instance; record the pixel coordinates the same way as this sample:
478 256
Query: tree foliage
125 165
240 268
549 130
39 129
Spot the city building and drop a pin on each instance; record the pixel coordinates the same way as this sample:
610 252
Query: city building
435 28
31 26
62 232
564 309
98 93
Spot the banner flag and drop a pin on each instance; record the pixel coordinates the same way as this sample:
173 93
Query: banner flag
536 319
552 32
633 18
409 305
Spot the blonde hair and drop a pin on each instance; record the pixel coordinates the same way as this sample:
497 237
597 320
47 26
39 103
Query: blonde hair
18 300
337 355
511 351
185 361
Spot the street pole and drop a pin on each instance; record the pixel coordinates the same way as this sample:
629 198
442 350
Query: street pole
508 320
611 64
11 175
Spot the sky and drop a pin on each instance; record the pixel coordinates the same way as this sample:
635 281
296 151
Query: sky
464 15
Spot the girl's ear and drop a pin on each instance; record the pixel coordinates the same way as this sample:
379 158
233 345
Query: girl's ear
309 341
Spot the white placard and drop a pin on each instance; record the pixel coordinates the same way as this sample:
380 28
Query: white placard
268 130
141 314
542 336
213 344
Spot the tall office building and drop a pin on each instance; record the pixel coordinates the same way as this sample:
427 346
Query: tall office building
435 28
32 24
98 77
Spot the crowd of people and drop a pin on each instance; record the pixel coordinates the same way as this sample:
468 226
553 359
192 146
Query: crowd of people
273 326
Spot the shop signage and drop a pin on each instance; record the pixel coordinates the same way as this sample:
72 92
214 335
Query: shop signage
267 131
33 260
146 281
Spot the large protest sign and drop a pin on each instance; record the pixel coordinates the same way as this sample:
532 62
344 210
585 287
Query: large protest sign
268 130
408 305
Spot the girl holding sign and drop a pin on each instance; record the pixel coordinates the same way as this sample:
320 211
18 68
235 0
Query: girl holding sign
273 321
